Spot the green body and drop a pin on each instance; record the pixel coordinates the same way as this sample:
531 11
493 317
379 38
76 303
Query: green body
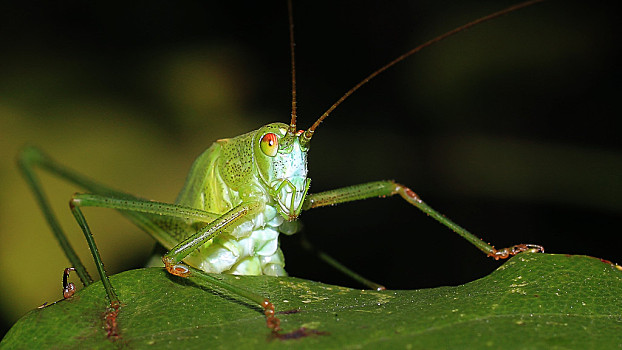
229 173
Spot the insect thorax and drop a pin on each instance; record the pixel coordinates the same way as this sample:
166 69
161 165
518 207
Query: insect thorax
251 247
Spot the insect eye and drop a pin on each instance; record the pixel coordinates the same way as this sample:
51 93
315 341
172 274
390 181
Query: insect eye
269 144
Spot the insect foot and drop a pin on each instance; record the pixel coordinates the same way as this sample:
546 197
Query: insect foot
180 270
513 250
271 321
69 289
110 318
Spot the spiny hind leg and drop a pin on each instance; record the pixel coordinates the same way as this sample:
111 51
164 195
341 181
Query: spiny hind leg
390 188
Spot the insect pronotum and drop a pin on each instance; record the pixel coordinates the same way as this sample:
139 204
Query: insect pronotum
239 195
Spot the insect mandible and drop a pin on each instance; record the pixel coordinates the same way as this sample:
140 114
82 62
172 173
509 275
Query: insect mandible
240 194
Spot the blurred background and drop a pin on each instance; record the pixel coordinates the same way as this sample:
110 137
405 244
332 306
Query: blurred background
511 129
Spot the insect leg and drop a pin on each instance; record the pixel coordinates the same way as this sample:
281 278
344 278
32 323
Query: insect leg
130 207
190 244
306 244
30 158
112 295
271 320
173 258
133 208
27 160
69 289
136 209
139 210
390 188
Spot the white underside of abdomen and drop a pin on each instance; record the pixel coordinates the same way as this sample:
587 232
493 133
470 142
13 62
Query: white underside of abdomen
251 248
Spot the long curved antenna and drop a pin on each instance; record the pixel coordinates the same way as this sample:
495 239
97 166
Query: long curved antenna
309 133
292 124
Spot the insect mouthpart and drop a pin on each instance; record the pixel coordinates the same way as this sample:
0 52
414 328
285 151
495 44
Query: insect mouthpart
289 194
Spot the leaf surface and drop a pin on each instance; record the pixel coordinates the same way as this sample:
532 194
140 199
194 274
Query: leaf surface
533 301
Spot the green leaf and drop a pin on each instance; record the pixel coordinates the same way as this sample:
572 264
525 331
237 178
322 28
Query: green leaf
534 301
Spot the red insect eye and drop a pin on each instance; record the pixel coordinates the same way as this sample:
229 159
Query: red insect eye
269 144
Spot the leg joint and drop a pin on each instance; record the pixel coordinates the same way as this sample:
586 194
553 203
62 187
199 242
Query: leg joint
75 201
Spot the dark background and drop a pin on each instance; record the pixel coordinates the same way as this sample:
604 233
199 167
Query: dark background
511 129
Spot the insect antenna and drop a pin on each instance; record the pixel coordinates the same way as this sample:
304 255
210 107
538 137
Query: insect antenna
292 124
309 133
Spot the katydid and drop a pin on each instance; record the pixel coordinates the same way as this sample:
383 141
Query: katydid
239 195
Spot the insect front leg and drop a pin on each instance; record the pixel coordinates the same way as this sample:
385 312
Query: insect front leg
173 258
390 188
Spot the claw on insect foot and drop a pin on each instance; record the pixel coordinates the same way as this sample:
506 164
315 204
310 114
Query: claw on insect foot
515 249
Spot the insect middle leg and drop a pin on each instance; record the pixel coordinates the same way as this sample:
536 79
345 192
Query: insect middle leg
306 244
390 188
172 260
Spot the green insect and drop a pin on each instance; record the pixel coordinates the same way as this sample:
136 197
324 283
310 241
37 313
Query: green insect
239 195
